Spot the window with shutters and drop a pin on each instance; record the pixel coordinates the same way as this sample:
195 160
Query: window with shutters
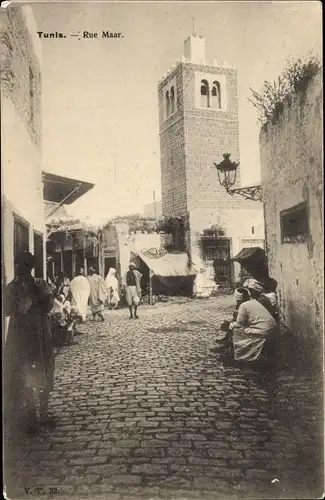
294 224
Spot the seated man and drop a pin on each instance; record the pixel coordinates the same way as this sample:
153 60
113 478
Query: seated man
255 330
269 286
241 295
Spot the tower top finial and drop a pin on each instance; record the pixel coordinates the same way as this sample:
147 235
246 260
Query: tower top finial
193 26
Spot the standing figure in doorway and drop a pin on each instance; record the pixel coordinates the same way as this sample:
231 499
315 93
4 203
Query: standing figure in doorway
80 291
111 284
97 294
132 286
29 355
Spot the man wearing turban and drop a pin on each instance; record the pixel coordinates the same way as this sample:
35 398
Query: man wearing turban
256 290
255 327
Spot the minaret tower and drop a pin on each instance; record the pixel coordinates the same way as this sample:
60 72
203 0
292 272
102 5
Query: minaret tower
198 123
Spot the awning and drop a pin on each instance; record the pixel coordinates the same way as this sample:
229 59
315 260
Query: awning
253 260
58 188
250 253
171 264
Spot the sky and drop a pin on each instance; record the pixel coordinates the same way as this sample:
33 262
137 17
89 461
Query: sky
100 99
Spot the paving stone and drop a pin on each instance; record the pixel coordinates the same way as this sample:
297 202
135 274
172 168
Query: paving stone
80 454
122 479
165 436
172 481
258 474
207 462
88 460
107 469
205 483
150 469
232 454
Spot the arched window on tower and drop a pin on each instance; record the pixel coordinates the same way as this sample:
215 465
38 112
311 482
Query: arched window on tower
167 104
205 97
172 100
216 96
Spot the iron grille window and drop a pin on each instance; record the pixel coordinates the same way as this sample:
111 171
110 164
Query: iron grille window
294 224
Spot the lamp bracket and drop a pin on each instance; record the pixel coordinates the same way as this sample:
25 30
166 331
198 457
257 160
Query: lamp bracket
249 193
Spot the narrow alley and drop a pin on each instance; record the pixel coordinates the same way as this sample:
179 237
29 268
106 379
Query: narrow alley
145 411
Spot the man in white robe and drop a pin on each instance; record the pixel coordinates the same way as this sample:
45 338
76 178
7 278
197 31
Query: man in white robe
80 290
97 294
111 284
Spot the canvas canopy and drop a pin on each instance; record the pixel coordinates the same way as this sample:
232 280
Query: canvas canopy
168 265
253 260
250 253
170 273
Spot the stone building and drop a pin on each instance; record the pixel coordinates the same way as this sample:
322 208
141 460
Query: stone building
198 110
23 224
292 184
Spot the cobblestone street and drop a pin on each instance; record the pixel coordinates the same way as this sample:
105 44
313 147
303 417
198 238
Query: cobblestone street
145 411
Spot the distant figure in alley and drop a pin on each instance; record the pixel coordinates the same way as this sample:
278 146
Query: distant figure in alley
97 294
80 291
29 349
132 286
111 284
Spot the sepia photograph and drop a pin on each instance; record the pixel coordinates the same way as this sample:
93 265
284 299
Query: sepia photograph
162 250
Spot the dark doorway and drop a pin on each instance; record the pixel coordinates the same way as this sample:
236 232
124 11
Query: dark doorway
67 259
222 263
54 266
109 262
80 261
39 255
21 237
92 262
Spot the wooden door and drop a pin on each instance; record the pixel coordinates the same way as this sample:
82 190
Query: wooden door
217 260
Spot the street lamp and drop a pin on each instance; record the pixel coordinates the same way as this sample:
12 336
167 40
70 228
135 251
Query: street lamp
227 171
